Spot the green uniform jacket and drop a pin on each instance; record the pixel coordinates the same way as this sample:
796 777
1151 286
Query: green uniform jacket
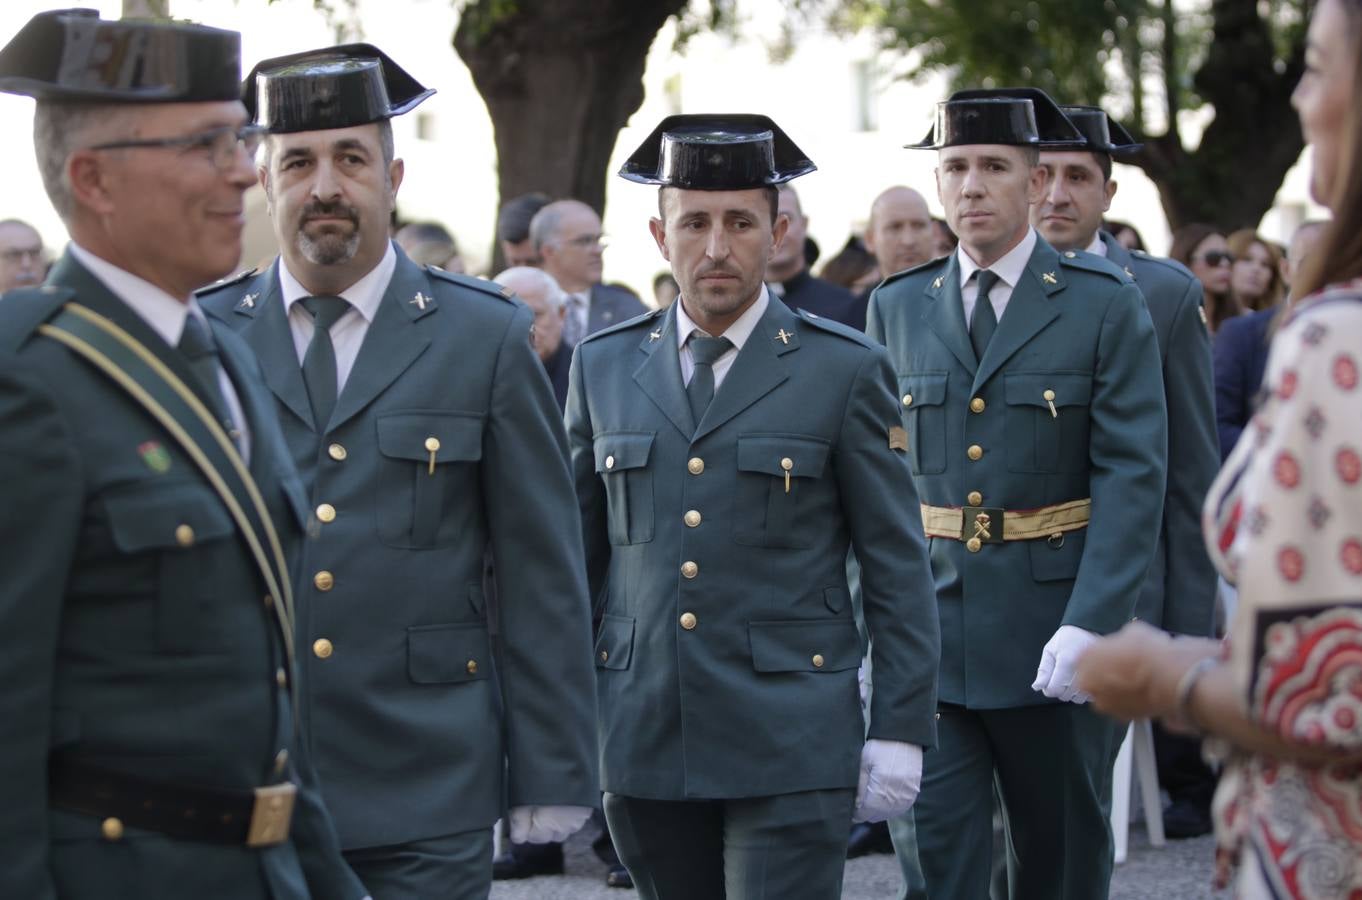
727 649
1075 325
1179 594
123 647
413 732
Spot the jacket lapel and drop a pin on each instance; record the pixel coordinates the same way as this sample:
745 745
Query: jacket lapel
256 404
393 341
758 369
945 314
1029 310
270 336
659 376
1117 254
92 293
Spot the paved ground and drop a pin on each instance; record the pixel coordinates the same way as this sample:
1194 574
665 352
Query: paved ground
1181 870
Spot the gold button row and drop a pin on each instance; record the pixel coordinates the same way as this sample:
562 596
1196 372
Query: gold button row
695 466
337 452
689 569
688 621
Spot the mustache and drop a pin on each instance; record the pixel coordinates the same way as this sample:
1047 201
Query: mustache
318 210
716 269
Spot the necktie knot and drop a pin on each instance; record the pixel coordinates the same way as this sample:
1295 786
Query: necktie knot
986 279
704 350
326 310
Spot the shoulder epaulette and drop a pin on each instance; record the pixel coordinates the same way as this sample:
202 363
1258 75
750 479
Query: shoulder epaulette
832 326
225 283
1163 261
469 281
625 325
1091 262
930 264
24 309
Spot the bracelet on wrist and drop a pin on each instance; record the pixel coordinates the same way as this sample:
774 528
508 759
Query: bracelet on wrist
1187 684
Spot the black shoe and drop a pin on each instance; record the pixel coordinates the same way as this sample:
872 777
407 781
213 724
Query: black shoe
1184 819
527 861
619 877
867 838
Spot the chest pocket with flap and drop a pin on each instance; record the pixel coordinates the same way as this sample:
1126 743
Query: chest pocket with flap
428 458
776 475
183 528
1040 439
622 464
922 396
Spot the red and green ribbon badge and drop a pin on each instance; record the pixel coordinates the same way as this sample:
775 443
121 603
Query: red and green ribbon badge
155 456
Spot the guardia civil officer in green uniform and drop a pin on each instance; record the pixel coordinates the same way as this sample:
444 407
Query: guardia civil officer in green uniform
1036 425
1179 594
426 431
727 452
147 502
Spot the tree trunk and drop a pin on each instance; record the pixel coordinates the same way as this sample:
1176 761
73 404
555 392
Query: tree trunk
1232 177
560 79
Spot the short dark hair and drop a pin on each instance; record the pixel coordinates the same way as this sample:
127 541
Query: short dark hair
1103 161
1031 154
772 199
513 221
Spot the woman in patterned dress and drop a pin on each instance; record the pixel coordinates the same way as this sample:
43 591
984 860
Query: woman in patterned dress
1282 696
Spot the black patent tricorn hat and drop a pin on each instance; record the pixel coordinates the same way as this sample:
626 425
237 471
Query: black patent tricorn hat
1101 133
333 87
1025 117
73 54
705 152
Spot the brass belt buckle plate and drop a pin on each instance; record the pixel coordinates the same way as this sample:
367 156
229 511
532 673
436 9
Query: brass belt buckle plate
272 815
982 523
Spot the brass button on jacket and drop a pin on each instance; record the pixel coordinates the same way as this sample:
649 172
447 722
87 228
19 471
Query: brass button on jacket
337 452
975 498
973 545
696 465
977 405
907 399
610 462
326 513
818 660
975 452
324 580
689 569
322 648
112 829
281 677
471 667
688 621
692 517
184 536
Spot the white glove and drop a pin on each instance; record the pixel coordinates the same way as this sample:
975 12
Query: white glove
545 824
891 774
1055 675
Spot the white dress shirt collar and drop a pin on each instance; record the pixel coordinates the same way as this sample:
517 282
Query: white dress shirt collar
1009 268
364 295
1097 246
164 313
737 333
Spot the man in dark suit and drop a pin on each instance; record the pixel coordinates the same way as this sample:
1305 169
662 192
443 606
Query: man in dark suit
788 275
537 290
567 235
728 452
426 432
1031 391
148 507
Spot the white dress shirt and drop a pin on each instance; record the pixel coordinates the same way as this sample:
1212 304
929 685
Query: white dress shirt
1096 246
1009 270
737 333
347 333
166 315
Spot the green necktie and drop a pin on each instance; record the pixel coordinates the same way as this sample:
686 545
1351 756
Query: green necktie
704 350
197 346
319 363
983 321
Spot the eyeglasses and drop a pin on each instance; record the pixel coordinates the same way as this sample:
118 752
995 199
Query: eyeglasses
587 241
16 255
221 143
1215 258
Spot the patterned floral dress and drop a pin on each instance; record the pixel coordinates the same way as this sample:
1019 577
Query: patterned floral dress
1284 522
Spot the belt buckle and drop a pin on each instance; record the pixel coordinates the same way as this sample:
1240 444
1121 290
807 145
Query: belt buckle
272 815
983 524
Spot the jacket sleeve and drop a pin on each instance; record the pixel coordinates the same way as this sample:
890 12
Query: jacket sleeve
898 598
1233 394
41 503
590 491
1193 460
1127 461
547 678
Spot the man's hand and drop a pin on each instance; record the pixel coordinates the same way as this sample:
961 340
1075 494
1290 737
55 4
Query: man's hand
891 775
545 824
1058 662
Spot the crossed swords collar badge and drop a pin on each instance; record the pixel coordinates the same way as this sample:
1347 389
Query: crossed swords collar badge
420 301
784 336
248 301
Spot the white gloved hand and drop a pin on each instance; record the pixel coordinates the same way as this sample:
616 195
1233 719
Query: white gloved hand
1055 675
891 774
545 824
